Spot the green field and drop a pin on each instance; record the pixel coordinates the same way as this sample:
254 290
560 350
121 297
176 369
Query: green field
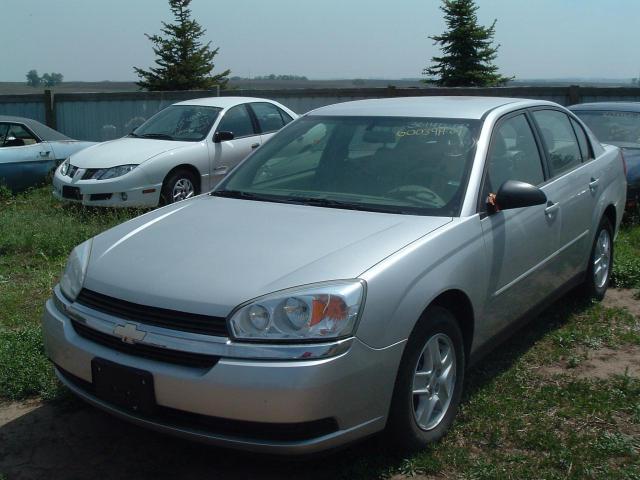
532 409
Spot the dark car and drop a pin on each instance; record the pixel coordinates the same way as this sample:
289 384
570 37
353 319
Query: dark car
617 123
30 151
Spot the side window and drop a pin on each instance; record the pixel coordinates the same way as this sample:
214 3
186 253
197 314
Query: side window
286 118
237 121
269 117
17 136
582 141
559 139
513 155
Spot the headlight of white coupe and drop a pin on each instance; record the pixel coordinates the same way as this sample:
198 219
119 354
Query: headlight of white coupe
321 311
113 172
75 270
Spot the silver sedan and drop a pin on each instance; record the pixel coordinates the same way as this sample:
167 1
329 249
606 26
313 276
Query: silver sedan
340 280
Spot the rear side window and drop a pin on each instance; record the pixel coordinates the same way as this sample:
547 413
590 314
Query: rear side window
269 117
237 121
513 155
583 142
559 140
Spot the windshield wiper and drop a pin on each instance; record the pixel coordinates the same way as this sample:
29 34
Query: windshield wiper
328 203
250 196
132 134
161 136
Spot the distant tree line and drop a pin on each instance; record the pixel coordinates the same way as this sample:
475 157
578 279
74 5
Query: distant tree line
46 80
274 77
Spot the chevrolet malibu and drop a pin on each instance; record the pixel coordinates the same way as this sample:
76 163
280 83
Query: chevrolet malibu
178 153
340 280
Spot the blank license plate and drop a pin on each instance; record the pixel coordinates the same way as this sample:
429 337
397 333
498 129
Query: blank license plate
125 387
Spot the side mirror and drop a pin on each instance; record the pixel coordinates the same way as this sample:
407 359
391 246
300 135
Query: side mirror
515 194
223 136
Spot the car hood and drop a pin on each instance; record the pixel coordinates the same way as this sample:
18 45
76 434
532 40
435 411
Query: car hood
209 254
124 151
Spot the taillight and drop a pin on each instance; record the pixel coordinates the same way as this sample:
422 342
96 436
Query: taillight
624 163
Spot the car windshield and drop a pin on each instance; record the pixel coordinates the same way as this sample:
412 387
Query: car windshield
386 164
621 129
189 123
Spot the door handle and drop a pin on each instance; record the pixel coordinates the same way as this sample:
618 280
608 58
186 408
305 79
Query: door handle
255 145
593 184
552 209
44 154
221 170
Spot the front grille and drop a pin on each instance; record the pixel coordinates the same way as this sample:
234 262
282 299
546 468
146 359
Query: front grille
223 426
72 171
96 197
89 173
161 317
151 352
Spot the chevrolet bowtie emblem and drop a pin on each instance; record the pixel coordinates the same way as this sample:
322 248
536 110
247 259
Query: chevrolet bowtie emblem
129 333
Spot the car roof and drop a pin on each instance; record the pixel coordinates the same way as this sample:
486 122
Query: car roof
614 106
42 131
222 102
436 107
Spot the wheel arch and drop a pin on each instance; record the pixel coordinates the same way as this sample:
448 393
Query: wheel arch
189 167
459 304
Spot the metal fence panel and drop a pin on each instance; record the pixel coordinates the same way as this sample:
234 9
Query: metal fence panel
104 116
18 106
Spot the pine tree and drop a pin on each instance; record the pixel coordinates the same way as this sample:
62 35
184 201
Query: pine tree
468 51
183 62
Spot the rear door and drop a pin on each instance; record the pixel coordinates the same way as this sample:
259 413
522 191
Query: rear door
519 242
570 186
227 154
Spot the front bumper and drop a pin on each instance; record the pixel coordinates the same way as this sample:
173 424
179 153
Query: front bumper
130 190
239 402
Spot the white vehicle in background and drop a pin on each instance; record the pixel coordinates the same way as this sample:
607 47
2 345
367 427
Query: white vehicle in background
180 152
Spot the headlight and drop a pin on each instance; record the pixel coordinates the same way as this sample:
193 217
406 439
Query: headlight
107 173
64 167
75 270
322 311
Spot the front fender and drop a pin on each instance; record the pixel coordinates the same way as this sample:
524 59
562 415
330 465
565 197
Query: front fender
403 285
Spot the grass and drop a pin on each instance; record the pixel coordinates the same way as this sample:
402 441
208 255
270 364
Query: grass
516 421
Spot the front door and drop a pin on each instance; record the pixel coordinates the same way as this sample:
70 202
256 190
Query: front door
225 155
519 242
24 160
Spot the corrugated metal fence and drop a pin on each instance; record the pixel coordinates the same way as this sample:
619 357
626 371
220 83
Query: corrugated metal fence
104 116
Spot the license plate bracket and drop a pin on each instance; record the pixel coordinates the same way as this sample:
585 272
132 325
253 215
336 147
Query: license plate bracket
126 387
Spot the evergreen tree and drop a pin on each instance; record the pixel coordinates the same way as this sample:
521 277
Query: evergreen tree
183 62
467 50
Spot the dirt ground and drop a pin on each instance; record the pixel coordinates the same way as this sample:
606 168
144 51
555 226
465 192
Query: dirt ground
70 440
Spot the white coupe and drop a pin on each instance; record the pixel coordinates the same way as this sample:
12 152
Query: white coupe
180 152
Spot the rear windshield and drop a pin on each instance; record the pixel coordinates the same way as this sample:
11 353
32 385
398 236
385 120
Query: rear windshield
616 128
390 164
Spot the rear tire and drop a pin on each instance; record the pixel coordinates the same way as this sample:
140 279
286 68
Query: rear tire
429 382
600 262
179 185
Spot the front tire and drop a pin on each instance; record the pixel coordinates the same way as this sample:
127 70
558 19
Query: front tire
428 386
600 262
179 185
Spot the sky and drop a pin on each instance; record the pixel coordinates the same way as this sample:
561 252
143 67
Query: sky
93 40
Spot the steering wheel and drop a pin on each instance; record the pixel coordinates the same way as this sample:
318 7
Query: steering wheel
417 193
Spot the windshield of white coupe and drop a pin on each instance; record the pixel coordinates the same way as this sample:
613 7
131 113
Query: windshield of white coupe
388 164
190 123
